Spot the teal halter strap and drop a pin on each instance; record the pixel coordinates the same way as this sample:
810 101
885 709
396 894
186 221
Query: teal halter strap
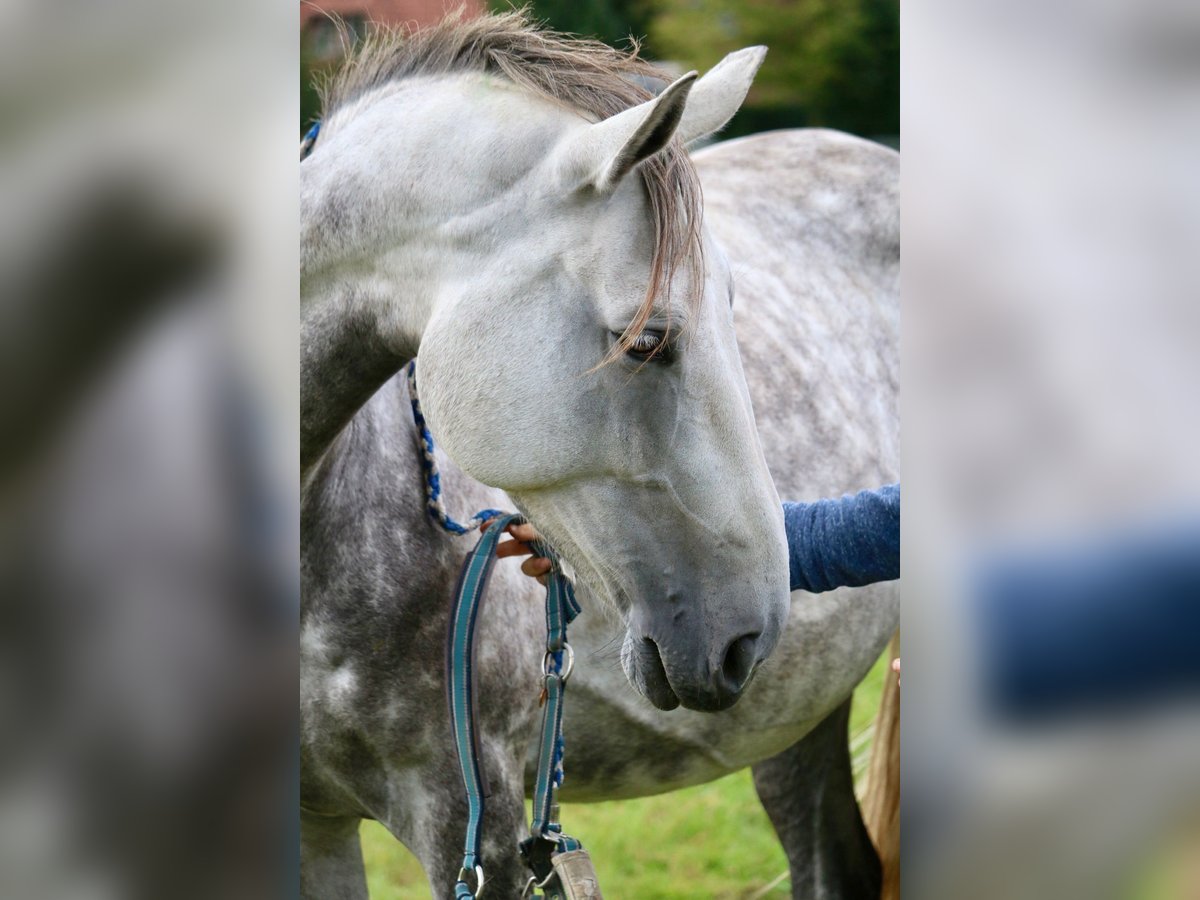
561 609
460 675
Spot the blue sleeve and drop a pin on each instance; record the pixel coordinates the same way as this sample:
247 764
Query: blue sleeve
1092 624
846 542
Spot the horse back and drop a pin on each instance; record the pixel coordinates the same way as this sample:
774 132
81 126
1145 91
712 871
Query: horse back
810 222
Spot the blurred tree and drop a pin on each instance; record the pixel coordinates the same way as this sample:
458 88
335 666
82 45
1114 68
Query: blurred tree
833 63
611 21
310 102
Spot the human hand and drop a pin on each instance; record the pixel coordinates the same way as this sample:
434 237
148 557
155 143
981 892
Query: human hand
536 566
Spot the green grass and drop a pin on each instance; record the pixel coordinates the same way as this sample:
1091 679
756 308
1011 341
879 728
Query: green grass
712 840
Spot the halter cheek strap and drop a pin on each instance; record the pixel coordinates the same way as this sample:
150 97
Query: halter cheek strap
561 608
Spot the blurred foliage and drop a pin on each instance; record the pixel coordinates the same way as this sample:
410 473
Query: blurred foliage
832 63
310 103
611 21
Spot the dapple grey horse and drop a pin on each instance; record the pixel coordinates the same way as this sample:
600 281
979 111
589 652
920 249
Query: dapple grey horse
498 198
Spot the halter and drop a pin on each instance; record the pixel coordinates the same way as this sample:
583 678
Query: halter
309 139
548 852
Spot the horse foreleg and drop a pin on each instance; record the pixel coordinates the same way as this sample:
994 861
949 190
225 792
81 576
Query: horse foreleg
438 820
331 863
808 793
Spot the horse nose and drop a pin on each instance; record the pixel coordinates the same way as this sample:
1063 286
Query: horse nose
737 666
719 683
672 666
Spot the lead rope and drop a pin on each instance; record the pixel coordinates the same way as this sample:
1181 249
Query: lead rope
433 478
561 867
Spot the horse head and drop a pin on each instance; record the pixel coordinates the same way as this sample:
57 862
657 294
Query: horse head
575 333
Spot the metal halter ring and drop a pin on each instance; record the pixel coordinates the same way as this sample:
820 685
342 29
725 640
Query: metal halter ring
570 664
479 879
533 883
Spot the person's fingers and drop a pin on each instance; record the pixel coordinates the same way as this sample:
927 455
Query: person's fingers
535 566
513 548
523 532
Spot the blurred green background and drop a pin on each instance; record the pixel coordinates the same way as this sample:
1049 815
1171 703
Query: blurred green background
832 63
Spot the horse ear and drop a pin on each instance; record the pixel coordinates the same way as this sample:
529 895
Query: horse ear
602 154
720 93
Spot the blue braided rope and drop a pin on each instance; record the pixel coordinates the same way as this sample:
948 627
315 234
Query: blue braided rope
310 138
433 478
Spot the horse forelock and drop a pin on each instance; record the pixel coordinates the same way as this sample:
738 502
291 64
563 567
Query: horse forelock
589 77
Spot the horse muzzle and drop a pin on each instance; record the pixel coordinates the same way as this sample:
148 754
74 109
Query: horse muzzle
670 675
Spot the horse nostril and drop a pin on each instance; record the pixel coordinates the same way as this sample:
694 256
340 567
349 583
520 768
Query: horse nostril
653 656
739 662
654 675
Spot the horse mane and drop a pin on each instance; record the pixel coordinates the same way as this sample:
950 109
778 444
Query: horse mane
587 76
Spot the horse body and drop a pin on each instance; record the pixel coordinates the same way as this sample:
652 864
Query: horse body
810 221
820 360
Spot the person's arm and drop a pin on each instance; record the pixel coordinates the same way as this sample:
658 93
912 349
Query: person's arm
1088 625
850 541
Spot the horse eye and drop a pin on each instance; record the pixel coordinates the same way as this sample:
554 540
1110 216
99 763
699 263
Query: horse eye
649 345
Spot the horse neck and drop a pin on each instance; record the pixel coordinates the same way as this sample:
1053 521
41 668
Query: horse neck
438 224
344 360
